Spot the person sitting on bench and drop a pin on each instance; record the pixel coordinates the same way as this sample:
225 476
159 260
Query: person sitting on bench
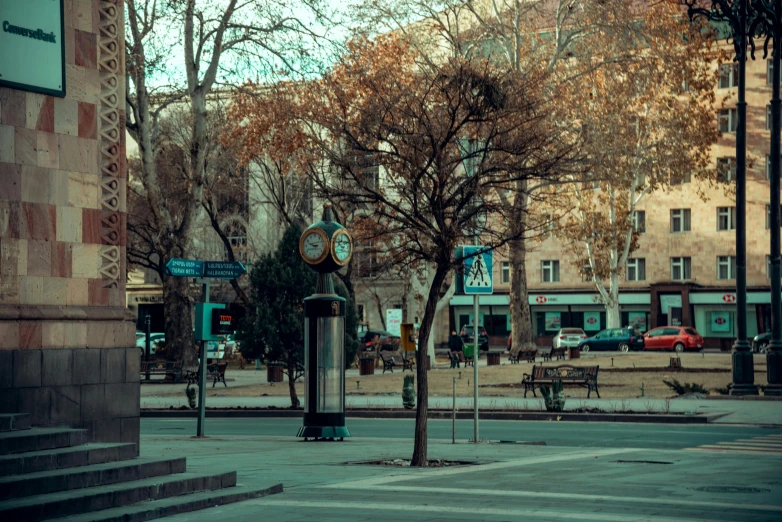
456 348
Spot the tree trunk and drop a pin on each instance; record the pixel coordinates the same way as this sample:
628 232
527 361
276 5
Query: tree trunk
178 311
521 322
422 410
613 315
292 384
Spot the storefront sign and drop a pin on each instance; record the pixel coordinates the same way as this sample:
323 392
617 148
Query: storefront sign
720 321
729 298
394 321
637 320
670 301
33 47
591 321
553 320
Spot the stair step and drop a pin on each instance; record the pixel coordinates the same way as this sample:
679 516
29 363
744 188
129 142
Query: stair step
61 458
14 421
65 503
173 506
19 486
36 439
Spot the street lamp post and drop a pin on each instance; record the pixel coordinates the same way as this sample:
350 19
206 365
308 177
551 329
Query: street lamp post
736 14
770 15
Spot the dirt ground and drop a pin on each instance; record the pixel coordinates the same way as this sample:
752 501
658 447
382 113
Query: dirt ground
620 376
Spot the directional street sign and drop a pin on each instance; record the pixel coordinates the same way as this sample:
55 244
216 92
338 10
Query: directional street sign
477 271
223 269
184 267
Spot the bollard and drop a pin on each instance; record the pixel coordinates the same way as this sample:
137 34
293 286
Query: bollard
453 414
257 364
642 389
358 385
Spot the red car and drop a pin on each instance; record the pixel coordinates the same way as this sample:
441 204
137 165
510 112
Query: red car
678 338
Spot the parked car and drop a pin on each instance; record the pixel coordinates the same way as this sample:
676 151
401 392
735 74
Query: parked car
568 338
760 342
154 338
389 342
678 338
483 336
620 339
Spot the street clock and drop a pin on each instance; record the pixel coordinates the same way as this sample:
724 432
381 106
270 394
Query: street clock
326 245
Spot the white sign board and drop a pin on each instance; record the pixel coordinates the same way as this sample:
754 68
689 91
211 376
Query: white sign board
394 321
32 48
477 270
670 301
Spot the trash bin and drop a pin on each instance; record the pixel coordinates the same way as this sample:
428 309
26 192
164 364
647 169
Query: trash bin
274 372
493 359
366 366
575 353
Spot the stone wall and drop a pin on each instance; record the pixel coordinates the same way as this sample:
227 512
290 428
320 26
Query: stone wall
66 344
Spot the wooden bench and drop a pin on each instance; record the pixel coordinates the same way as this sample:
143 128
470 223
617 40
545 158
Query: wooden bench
215 372
558 353
162 368
523 355
391 359
585 376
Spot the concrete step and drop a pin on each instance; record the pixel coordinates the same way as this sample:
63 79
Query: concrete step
18 486
65 503
14 421
173 506
61 458
36 439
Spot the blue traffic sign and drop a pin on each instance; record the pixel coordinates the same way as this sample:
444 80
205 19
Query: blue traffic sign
184 267
477 270
224 269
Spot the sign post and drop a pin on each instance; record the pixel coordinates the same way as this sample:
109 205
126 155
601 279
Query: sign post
202 271
477 280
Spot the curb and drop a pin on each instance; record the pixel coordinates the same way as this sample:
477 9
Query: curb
447 415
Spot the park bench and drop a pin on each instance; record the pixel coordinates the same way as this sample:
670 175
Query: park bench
162 368
391 359
585 377
523 355
558 353
215 372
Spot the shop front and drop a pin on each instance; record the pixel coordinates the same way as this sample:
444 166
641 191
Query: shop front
494 315
715 315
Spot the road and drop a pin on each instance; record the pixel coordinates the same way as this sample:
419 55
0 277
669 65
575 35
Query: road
594 435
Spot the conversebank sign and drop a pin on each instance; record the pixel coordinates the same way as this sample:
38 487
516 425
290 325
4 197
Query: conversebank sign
32 50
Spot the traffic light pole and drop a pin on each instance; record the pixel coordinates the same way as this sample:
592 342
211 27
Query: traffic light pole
475 353
202 368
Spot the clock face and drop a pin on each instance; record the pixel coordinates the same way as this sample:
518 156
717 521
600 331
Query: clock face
342 246
313 246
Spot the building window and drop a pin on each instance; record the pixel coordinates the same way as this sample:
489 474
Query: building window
768 117
639 221
726 169
636 269
586 272
728 120
686 178
680 220
726 218
549 271
726 267
729 75
505 273
680 268
360 313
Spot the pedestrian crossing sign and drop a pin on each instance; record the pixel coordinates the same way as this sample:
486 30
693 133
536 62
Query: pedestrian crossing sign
477 270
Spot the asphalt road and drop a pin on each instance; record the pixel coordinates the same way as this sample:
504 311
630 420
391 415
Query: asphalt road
572 434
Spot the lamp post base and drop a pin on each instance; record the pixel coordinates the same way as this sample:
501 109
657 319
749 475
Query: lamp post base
323 432
743 370
774 371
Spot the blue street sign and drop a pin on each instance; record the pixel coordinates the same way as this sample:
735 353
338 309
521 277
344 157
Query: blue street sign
477 271
223 269
184 267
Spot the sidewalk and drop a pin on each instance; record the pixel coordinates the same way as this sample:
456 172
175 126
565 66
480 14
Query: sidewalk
766 412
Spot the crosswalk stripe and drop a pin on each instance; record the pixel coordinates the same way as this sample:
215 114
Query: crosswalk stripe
731 451
751 444
765 445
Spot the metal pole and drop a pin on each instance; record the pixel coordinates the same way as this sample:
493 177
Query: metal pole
774 355
475 352
743 371
453 414
202 371
147 342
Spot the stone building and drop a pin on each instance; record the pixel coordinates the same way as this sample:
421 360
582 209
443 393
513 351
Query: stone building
67 352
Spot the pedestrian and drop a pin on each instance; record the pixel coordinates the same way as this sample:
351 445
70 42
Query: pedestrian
455 347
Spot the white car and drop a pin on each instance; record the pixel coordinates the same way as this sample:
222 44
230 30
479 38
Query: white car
154 338
568 337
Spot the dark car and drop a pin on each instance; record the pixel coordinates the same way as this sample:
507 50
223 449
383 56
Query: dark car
388 341
619 339
760 342
483 337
